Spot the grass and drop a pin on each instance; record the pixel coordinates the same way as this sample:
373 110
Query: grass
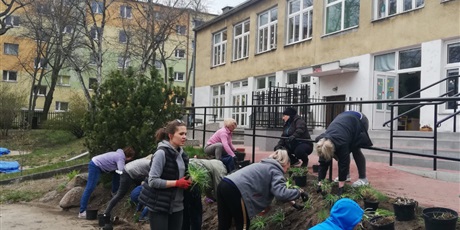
200 176
278 218
259 223
194 151
13 196
48 151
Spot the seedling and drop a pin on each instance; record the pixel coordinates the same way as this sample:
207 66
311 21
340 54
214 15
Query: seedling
278 218
258 223
404 201
331 199
300 171
322 215
290 184
200 176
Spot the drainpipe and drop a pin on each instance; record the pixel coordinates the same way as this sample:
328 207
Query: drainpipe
194 66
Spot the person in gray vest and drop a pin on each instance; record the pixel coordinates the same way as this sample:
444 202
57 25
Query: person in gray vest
163 192
346 133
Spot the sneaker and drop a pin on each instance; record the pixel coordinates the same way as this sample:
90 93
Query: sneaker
143 219
208 200
347 180
360 182
82 215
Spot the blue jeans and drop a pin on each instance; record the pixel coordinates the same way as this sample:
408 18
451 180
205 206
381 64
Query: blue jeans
94 173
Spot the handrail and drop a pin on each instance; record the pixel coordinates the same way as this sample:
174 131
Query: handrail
438 124
427 87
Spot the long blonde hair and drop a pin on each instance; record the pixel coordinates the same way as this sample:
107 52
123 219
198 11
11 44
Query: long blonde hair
325 149
281 156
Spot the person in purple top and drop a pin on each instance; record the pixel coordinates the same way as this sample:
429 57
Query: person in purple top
220 143
107 162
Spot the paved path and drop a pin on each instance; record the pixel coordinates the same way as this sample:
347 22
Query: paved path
394 182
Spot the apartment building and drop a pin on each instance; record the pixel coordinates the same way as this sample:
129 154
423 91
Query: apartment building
339 49
123 41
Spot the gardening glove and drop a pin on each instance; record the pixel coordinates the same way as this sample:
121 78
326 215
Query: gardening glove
291 138
304 196
339 193
319 190
183 183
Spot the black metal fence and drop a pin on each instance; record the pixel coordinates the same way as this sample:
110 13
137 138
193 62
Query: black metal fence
21 120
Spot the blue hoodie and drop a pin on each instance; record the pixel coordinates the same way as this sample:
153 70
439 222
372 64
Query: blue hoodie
345 215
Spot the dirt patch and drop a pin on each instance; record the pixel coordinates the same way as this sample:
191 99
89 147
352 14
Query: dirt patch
47 214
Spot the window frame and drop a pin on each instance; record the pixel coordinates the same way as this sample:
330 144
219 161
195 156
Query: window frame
124 62
271 27
377 12
179 53
95 33
181 29
40 90
60 81
342 16
219 49
303 10
66 29
97 7
177 74
218 100
122 33
5 49
40 63
6 76
448 67
266 80
241 52
12 21
126 12
58 106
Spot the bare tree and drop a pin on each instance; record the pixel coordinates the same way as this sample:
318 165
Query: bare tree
8 7
51 24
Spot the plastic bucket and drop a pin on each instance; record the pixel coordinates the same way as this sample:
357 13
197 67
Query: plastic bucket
91 214
388 226
434 219
103 219
371 205
300 181
404 212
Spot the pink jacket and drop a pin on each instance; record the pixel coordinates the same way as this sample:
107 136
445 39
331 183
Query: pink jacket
223 136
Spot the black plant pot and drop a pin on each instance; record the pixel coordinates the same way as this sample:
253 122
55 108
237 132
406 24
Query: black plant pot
240 156
300 181
91 214
315 168
433 223
103 219
370 205
404 212
375 226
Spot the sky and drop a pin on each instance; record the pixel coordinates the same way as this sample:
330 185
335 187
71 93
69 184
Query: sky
215 6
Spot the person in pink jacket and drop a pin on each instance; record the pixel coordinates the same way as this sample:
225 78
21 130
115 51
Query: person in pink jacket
220 143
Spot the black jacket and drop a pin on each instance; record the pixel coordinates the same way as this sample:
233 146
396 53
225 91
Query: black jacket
296 127
159 200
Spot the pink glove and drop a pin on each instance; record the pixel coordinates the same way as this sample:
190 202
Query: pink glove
183 183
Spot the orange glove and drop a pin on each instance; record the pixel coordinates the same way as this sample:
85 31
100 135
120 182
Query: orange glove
183 183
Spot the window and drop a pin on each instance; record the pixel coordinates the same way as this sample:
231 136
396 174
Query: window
123 62
452 69
40 63
341 15
92 84
219 44
63 80
241 40
300 16
67 29
218 99
40 90
97 7
179 53
10 75
197 22
12 21
410 58
126 11
180 29
264 83
122 36
95 33
387 8
158 64
11 49
179 100
61 106
239 84
305 79
292 78
179 76
268 26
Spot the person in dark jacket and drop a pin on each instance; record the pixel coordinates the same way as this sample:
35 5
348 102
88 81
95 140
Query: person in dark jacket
163 192
346 133
248 191
346 214
296 131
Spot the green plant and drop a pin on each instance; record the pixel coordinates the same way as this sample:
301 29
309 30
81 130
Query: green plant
379 212
193 151
290 184
322 215
326 186
278 218
331 199
258 223
61 186
199 175
404 201
13 196
72 174
298 171
308 204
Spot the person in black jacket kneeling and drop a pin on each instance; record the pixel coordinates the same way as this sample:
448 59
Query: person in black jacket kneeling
295 131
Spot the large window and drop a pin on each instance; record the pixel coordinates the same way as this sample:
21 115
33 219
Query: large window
179 76
219 48
241 40
11 49
126 11
40 90
452 69
268 26
292 78
387 8
264 83
97 7
61 106
341 15
10 75
12 21
218 99
410 58
300 15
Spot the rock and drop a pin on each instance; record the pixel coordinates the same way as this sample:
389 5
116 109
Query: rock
72 198
49 196
78 181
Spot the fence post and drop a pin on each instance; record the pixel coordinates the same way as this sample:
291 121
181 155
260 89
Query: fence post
204 128
392 113
435 138
253 134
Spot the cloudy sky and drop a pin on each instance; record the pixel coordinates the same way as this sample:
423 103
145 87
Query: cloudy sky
215 6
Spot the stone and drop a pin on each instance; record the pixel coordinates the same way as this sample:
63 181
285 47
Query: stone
72 198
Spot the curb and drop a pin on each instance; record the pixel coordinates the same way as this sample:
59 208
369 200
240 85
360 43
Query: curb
43 175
